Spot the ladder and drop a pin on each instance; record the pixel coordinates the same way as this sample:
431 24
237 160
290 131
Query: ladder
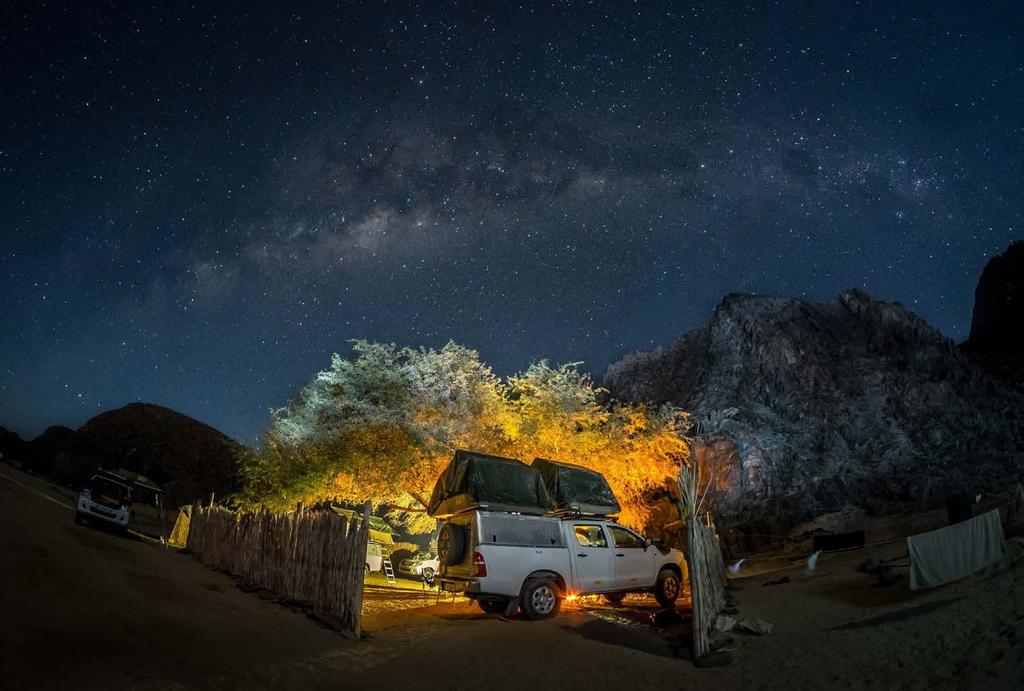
389 570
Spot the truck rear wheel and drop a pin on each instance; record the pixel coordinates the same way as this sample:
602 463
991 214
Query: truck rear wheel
666 590
540 598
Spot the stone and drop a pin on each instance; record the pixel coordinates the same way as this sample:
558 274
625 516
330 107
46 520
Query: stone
724 642
755 626
724 623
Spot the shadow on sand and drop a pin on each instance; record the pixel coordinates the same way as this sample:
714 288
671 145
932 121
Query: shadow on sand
898 615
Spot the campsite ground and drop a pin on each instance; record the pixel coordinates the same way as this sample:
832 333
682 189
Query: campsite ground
87 609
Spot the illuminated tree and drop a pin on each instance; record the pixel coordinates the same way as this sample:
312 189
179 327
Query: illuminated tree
384 423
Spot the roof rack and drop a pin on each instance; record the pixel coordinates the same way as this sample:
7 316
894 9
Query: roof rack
572 513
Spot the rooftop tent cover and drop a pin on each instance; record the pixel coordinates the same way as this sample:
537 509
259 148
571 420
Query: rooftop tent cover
474 480
379 530
577 488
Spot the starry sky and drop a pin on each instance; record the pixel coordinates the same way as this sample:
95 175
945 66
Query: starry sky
198 205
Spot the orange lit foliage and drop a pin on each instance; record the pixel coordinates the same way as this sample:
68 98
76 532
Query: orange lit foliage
383 424
555 413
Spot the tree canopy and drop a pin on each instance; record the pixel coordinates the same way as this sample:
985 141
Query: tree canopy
383 423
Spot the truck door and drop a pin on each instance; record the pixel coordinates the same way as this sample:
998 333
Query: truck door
633 564
591 557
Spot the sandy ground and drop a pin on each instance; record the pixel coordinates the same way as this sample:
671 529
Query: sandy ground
82 608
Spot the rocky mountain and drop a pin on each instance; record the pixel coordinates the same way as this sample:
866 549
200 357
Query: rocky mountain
996 342
806 408
188 458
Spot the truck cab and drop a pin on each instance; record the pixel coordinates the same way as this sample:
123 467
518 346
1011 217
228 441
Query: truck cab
506 561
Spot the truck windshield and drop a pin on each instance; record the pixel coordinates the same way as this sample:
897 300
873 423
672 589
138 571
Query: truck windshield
109 491
590 536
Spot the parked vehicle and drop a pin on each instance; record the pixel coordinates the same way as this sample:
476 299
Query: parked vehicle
424 566
507 560
105 500
374 557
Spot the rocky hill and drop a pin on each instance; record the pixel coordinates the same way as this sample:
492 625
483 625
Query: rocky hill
806 408
997 325
188 458
12 445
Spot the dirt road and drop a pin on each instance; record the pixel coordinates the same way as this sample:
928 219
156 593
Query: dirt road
81 608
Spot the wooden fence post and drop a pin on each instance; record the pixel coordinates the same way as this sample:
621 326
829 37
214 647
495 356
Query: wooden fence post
360 543
703 560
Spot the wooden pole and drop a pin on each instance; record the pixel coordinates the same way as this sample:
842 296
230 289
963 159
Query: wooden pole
693 563
703 557
361 536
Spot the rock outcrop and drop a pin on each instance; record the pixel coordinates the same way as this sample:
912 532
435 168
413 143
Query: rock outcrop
996 342
806 408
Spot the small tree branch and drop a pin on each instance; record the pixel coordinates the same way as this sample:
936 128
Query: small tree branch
417 497
409 509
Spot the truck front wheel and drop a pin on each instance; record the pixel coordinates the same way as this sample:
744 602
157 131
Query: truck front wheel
666 590
540 599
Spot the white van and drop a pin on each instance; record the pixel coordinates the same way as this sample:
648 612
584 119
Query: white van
106 501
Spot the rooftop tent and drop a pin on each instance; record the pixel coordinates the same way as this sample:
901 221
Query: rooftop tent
575 488
379 530
476 480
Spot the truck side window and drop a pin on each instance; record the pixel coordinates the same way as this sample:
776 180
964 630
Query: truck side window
623 538
590 536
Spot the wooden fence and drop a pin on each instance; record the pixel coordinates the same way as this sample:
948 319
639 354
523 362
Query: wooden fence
312 557
707 581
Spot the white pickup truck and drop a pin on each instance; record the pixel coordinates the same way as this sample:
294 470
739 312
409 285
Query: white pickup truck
508 560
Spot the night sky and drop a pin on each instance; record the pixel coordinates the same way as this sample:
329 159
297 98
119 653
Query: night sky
199 205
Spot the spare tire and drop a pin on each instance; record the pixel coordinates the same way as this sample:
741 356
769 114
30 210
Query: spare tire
451 544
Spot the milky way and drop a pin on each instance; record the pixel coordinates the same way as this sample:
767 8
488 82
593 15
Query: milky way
198 208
